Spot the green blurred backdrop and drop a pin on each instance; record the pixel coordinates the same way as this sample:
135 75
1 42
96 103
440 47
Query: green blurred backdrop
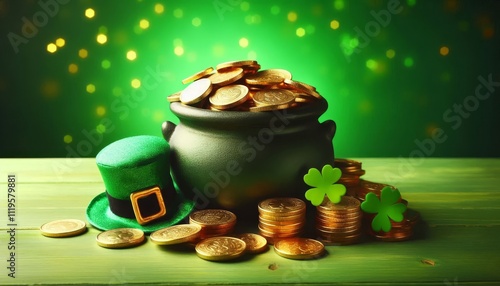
401 77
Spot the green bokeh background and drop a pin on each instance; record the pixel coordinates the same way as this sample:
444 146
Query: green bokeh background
382 104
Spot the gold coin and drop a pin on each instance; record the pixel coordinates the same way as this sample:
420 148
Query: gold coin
120 238
342 163
63 228
229 96
302 87
282 220
282 226
176 234
340 230
175 97
274 97
255 243
198 75
196 91
299 248
339 224
213 218
225 77
282 206
236 64
273 234
220 248
268 77
346 203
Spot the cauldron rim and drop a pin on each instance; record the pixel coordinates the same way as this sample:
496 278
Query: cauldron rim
311 110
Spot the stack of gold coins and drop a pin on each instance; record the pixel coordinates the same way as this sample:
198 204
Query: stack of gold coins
351 173
339 223
242 86
213 222
400 231
366 187
281 218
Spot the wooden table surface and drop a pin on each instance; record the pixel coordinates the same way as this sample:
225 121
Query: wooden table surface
458 243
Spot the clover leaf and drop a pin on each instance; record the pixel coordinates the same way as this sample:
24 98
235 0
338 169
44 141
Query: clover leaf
324 184
386 208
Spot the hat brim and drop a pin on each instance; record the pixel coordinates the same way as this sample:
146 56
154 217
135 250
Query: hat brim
100 215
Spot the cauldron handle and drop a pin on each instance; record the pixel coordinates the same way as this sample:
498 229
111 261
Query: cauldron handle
330 127
167 128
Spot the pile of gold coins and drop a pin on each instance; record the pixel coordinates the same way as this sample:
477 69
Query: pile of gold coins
281 218
242 86
339 223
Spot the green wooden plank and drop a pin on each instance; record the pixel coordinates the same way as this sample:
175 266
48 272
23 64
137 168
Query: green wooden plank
50 170
459 205
465 254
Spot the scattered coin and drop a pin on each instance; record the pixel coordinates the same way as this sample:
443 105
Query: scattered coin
299 248
220 248
120 238
176 234
255 243
63 228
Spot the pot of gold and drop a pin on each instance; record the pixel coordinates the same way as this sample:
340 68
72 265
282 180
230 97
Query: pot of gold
245 135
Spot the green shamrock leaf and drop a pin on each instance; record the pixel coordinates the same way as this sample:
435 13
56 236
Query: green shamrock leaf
324 184
386 208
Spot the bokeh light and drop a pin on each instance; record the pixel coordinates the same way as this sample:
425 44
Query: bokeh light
367 78
89 13
105 64
101 38
144 24
300 32
334 24
159 8
51 48
135 83
196 21
60 42
100 110
83 53
131 55
73 68
243 42
90 88
444 50
67 139
390 53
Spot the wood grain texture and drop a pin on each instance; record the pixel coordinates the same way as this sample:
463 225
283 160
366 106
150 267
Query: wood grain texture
458 243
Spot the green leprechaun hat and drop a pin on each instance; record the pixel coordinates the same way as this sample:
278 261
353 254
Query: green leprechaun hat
139 189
